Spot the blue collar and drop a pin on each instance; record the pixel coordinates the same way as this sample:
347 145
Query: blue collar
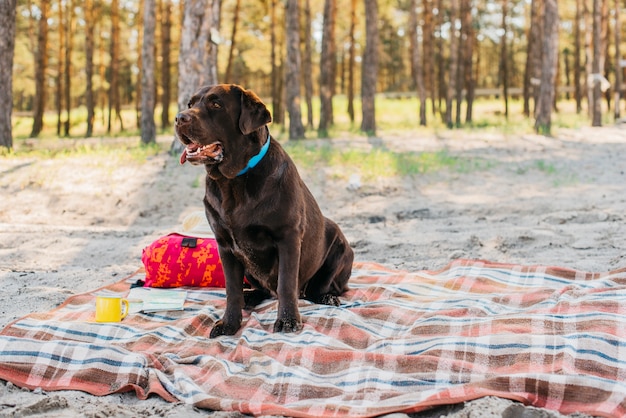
257 158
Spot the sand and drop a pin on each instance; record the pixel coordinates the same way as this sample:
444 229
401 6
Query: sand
74 223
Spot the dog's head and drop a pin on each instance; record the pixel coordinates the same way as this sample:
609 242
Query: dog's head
222 127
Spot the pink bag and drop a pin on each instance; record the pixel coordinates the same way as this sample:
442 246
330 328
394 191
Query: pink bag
177 260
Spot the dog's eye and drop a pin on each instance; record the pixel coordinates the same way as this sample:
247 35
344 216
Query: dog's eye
189 105
214 104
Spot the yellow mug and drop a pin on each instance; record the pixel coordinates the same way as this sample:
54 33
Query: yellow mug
111 308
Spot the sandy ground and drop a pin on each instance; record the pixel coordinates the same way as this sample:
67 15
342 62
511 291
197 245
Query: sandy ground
71 224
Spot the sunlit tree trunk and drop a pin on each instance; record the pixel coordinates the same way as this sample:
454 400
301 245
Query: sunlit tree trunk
468 54
114 68
277 70
307 64
429 55
351 60
233 42
504 61
7 49
196 65
58 93
292 83
148 100
369 69
533 56
327 68
67 84
618 58
417 70
89 49
550 51
166 62
452 74
596 64
577 62
41 64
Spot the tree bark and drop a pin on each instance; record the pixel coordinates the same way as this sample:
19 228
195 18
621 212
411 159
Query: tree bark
327 68
67 74
58 93
577 62
292 83
417 69
148 100
504 61
452 76
114 94
618 58
351 60
233 43
369 70
7 49
596 64
307 64
533 56
470 81
429 55
166 62
41 64
89 49
195 46
550 51
196 62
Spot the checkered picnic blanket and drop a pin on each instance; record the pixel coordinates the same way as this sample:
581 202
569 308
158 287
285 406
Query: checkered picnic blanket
400 342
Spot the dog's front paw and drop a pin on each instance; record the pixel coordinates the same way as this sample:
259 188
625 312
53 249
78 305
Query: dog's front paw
330 300
287 325
221 328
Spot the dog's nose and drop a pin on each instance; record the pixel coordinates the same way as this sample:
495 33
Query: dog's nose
182 118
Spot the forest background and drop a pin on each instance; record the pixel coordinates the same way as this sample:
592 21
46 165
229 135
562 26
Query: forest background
116 67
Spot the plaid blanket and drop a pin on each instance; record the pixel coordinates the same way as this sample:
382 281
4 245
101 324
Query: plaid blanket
400 342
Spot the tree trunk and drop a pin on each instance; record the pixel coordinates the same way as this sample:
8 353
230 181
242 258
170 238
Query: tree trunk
417 70
233 39
468 55
7 49
429 55
369 68
195 47
148 100
577 64
550 51
618 59
58 93
351 60
114 95
596 65
195 63
504 61
138 86
41 64
277 75
166 38
67 83
307 64
452 76
327 68
89 49
533 56
292 83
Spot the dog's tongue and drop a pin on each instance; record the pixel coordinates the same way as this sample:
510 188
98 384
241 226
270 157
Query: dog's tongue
183 156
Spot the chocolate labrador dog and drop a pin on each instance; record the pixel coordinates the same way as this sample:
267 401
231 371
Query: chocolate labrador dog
267 224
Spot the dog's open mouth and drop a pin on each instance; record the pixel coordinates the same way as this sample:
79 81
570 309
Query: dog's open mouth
196 153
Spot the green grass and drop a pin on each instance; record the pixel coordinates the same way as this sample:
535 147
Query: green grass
380 162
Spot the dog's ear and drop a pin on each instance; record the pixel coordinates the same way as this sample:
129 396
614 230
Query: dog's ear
254 114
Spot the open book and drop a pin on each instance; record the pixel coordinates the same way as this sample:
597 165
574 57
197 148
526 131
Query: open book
150 299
